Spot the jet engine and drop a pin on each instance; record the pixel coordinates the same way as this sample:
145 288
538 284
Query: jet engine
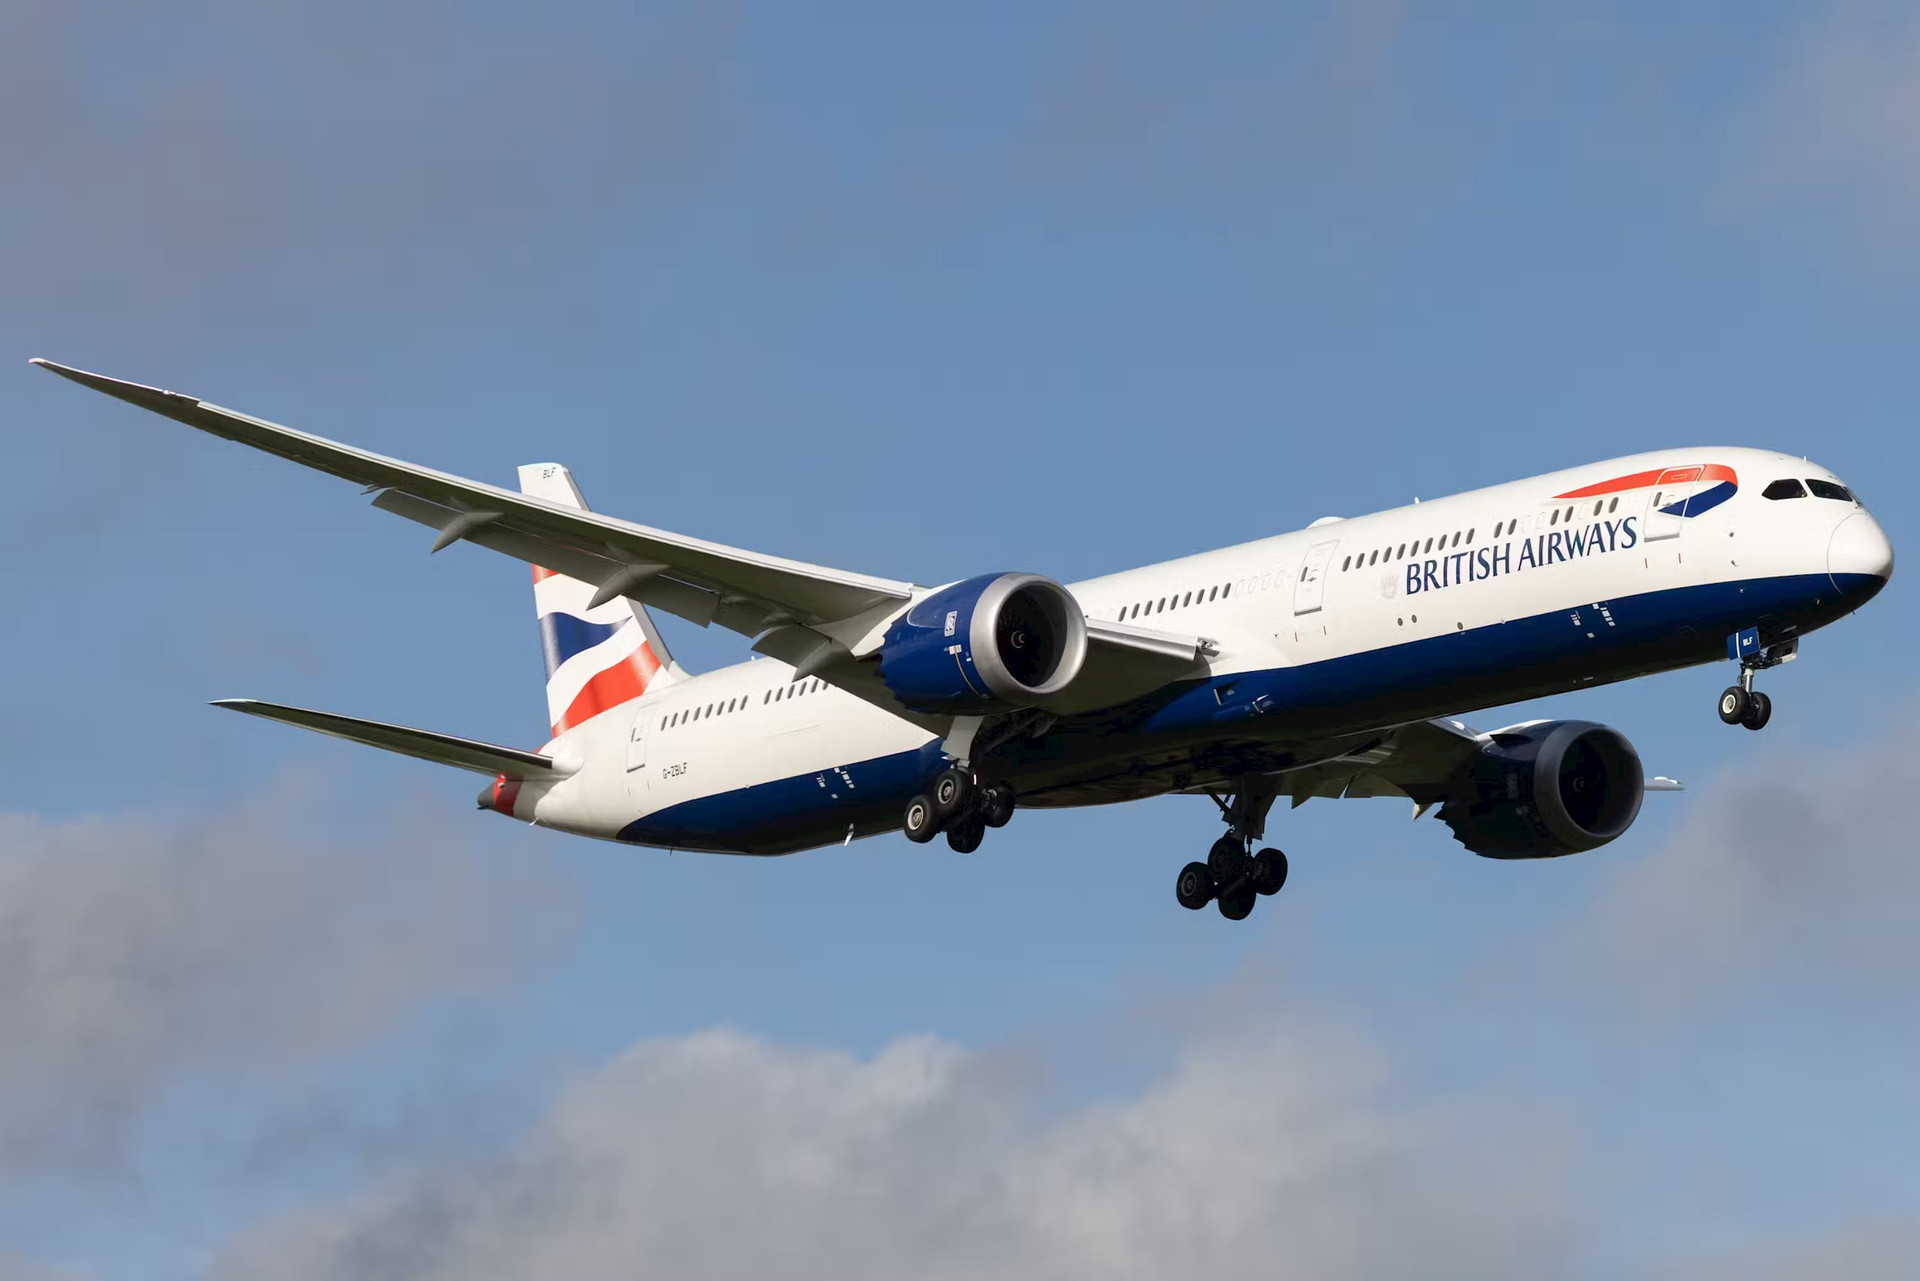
988 644
1545 790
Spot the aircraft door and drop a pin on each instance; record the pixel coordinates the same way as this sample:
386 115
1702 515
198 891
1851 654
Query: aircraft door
1667 504
1309 591
637 752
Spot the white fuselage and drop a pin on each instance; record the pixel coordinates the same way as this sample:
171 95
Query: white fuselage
1443 606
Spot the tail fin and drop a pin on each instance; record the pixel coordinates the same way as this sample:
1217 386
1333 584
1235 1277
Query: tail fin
596 658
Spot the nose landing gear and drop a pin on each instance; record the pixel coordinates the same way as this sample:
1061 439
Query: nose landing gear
1742 704
1233 877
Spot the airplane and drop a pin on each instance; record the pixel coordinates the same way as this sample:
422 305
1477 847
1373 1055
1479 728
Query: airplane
1326 662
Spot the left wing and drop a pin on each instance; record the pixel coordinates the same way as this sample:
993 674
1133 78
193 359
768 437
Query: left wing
698 580
816 618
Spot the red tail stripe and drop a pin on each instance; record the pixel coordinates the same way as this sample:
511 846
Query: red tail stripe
621 683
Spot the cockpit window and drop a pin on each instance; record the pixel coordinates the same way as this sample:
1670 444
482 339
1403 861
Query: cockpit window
1788 488
1827 489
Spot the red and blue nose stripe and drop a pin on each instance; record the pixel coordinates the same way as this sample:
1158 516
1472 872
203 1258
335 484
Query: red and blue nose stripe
1725 485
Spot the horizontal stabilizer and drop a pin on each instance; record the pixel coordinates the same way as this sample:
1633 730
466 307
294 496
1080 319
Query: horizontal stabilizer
443 749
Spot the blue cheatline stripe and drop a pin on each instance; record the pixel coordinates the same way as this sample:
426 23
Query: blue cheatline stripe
563 635
1704 501
1438 675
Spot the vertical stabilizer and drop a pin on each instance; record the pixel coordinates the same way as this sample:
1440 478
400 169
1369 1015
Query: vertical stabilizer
598 658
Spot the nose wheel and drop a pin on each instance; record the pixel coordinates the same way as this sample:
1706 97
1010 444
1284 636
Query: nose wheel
1234 878
1742 704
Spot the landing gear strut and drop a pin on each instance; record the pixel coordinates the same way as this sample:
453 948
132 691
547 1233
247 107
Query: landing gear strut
1233 876
1742 704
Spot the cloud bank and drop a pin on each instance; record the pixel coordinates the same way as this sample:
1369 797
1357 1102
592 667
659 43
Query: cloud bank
139 950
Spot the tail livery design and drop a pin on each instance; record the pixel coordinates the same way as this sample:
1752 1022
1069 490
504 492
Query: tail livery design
597 659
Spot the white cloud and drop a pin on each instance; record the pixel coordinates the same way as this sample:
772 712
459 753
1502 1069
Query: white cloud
1791 878
719 1155
139 949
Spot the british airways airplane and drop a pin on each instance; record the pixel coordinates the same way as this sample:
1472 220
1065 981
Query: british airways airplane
1327 662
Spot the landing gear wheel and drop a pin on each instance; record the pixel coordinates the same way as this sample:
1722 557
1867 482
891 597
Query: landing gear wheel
996 805
1735 705
1269 871
921 823
1759 710
1194 889
1227 860
966 835
951 790
1239 904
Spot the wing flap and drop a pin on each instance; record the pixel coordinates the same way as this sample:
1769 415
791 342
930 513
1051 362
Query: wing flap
425 745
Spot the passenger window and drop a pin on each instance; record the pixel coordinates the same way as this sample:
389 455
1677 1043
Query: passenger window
1827 489
1429 546
1402 553
1469 538
1613 506
1188 601
1788 488
1214 594
1596 509
1555 518
1226 591
1346 564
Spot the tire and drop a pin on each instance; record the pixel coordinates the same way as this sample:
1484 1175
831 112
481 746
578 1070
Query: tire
1194 888
1735 704
920 824
1238 905
1759 712
1269 871
966 835
996 805
952 791
1227 860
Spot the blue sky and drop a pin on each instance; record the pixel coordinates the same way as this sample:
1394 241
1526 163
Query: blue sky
925 295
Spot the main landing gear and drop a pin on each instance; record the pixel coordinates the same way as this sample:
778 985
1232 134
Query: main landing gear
958 804
1234 876
1742 704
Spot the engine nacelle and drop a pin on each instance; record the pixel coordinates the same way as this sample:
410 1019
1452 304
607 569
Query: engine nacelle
993 643
1541 791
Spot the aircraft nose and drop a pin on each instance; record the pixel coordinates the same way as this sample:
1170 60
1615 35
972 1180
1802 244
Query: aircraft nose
1859 551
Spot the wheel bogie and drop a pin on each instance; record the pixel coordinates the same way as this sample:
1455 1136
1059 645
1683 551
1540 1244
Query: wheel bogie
1735 704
